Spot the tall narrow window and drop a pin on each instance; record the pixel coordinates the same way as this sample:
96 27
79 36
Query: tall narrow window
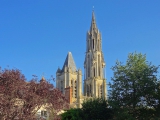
88 66
93 43
71 83
101 90
99 66
87 90
75 89
94 72
62 86
72 86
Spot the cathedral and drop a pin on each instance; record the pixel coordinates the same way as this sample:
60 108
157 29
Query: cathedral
69 78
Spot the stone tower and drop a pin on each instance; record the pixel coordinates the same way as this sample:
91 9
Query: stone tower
69 76
94 65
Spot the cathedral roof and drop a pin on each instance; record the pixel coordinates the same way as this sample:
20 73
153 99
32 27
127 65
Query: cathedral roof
69 62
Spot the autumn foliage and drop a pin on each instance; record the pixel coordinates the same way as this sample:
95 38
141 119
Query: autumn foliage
21 100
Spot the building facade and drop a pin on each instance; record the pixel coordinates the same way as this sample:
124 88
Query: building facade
69 78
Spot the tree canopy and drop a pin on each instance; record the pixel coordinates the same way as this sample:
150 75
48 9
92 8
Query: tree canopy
134 86
92 109
20 99
96 109
73 114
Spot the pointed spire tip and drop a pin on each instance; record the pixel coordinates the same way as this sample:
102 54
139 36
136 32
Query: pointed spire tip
93 21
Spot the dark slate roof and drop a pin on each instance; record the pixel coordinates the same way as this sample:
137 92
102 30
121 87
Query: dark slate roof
69 62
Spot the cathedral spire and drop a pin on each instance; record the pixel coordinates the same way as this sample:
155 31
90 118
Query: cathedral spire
94 65
69 62
93 22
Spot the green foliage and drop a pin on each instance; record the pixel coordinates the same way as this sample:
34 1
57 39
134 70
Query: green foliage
92 109
134 88
73 114
96 109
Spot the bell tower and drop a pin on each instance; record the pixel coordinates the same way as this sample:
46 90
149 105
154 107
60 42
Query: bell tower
94 64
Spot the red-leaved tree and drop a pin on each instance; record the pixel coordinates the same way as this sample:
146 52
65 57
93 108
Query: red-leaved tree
21 100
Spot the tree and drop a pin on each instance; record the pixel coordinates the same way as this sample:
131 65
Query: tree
12 84
73 114
20 99
134 87
92 109
96 109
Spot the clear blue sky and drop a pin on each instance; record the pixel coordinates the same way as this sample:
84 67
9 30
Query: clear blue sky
36 35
